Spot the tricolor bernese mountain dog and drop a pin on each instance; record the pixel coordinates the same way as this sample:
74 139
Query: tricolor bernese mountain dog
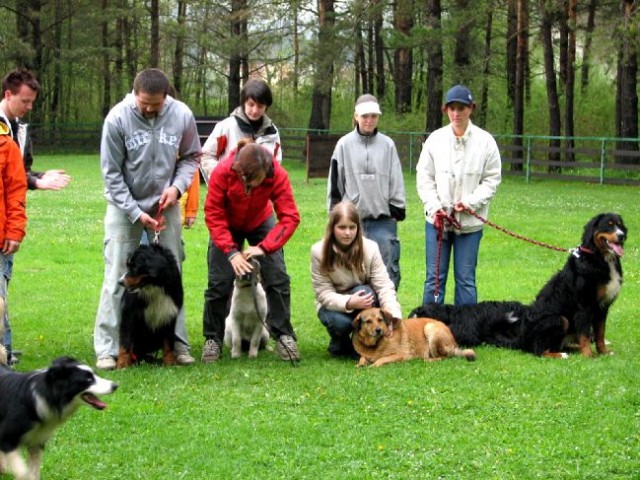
573 303
576 300
150 305
34 404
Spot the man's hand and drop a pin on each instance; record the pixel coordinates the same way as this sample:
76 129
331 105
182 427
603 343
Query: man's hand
10 246
53 180
189 221
169 197
151 223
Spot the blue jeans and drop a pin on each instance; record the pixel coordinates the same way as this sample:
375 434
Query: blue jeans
338 324
384 231
6 269
465 248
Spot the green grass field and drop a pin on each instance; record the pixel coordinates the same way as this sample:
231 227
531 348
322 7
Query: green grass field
509 415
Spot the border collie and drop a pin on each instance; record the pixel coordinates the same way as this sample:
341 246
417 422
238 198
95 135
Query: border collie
34 404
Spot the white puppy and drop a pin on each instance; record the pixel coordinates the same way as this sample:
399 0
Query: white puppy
244 322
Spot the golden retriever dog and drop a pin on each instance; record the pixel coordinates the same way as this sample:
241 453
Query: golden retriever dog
379 338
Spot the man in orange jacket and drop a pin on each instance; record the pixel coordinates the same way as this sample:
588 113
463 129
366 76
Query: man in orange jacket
13 216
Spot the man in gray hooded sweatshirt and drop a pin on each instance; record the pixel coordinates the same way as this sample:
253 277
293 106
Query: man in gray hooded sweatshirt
149 153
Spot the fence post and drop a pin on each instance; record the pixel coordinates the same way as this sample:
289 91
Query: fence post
528 171
603 153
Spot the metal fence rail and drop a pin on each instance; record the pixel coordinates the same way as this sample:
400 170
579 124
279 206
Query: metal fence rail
588 159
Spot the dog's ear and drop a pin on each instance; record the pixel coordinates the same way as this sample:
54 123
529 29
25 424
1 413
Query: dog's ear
357 322
590 231
388 318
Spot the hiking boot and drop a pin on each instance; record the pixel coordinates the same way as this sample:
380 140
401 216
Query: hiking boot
211 351
287 348
106 363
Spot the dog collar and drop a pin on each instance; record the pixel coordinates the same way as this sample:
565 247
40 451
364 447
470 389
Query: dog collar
581 249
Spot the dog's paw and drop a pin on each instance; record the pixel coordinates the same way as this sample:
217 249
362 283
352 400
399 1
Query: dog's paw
169 359
124 361
564 355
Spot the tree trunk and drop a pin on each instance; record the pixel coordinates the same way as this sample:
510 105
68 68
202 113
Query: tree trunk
586 51
56 90
118 47
237 59
481 116
434 66
178 57
522 54
462 45
323 75
379 49
570 85
131 57
371 60
550 76
626 95
563 28
296 48
106 73
360 69
512 49
403 59
154 60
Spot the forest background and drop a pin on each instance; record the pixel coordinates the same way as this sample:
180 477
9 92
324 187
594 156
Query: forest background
547 67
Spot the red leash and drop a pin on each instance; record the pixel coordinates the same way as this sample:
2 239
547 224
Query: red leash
156 233
442 220
515 235
439 222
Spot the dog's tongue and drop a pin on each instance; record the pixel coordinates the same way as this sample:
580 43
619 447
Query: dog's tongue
617 248
94 401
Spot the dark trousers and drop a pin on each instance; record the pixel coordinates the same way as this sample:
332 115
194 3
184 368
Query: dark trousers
275 281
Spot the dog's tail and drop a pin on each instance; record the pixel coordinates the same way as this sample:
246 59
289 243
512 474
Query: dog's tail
466 353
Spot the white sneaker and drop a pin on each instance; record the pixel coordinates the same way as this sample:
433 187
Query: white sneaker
106 363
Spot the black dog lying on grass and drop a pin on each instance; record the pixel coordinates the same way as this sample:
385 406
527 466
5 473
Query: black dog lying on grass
491 323
574 302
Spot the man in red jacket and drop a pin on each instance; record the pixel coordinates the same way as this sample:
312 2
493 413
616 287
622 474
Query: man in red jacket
13 213
244 190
